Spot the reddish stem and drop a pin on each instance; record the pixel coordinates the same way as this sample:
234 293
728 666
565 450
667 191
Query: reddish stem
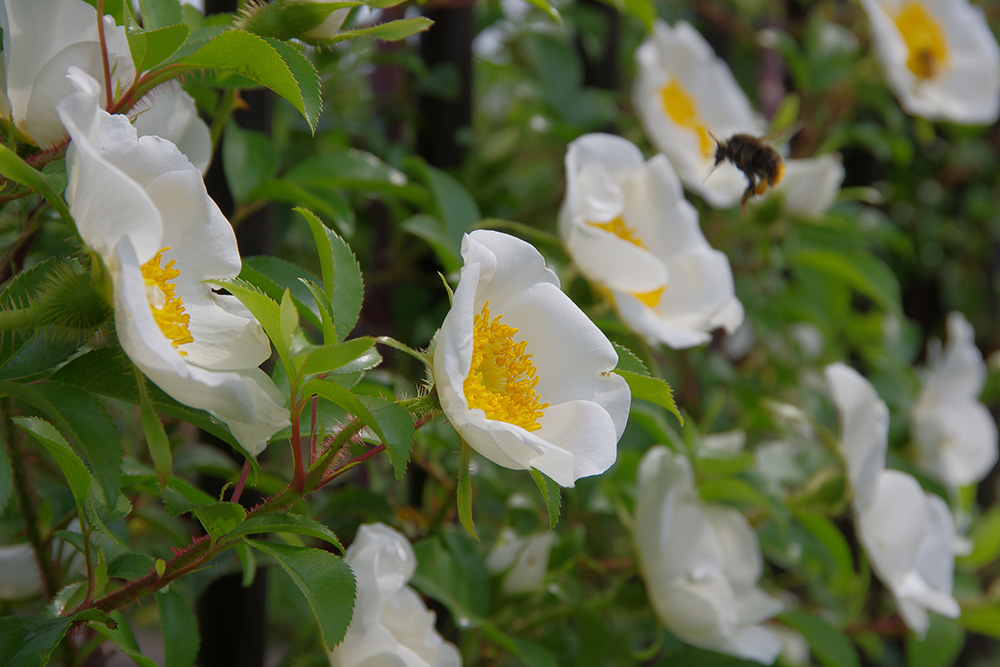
104 53
240 483
312 441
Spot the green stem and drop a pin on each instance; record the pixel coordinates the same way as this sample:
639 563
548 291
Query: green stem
19 318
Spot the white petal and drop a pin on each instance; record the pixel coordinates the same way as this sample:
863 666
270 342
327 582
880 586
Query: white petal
527 573
171 114
864 425
810 186
956 441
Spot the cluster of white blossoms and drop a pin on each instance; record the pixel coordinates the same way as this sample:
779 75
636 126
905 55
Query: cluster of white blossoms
908 534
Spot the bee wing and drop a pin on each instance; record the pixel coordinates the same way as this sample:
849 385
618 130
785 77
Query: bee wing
782 135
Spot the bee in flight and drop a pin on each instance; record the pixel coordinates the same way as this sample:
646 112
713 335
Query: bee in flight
759 162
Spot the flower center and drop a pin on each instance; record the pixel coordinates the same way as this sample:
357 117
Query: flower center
680 106
650 299
924 38
501 381
167 307
621 230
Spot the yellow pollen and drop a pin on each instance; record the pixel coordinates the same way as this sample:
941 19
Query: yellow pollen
650 299
621 230
924 38
167 307
680 106
501 381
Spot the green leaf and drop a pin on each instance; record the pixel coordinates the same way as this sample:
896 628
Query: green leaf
69 463
833 542
453 202
149 48
83 418
326 358
860 270
28 641
273 275
159 13
219 518
419 355
123 638
342 281
628 361
15 169
450 569
268 62
828 644
552 12
435 233
733 490
352 169
291 337
652 389
180 497
395 429
327 202
248 159
326 316
30 351
391 31
180 629
264 308
985 538
324 579
464 491
644 10
287 523
156 436
984 619
550 493
944 641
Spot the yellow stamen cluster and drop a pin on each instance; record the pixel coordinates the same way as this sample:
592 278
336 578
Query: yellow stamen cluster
924 38
650 299
501 381
621 230
167 307
680 106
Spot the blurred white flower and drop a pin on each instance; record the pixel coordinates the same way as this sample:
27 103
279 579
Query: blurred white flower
955 434
940 58
864 427
525 560
682 93
142 206
19 574
48 36
628 227
908 534
523 376
700 563
810 185
391 626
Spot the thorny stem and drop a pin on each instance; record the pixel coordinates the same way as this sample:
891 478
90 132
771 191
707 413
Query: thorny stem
312 439
238 491
20 480
298 478
104 54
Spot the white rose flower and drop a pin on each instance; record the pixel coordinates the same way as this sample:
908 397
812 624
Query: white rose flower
940 58
142 206
48 37
908 534
391 626
955 434
701 563
864 425
683 93
525 560
810 185
524 377
628 227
